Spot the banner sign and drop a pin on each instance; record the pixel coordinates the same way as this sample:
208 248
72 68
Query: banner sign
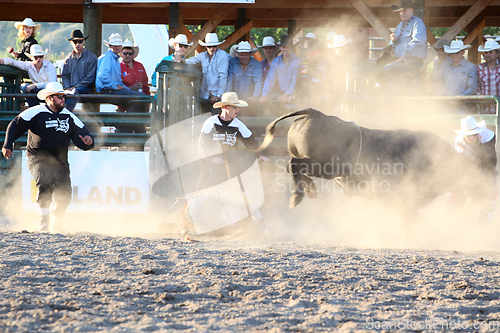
102 182
163 1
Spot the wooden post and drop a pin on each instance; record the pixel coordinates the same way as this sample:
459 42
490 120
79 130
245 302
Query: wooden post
176 21
464 21
292 27
92 26
240 22
374 21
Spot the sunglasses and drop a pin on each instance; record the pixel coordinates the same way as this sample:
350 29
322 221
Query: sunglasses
38 57
183 46
212 47
60 96
127 53
77 41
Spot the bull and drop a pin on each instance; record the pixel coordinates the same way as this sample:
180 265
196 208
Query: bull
403 169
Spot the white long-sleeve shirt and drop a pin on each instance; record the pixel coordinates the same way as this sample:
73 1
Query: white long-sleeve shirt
214 72
46 74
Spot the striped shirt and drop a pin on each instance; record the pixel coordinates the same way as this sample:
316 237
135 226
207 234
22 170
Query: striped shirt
489 80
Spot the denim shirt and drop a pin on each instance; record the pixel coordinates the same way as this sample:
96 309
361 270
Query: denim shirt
460 79
109 73
412 42
214 72
286 74
246 83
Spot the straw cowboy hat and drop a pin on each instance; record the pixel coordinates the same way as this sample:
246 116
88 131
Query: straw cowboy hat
114 40
76 34
267 41
456 46
179 39
489 45
339 41
470 127
128 44
28 23
230 98
51 88
403 4
211 39
245 47
441 43
36 50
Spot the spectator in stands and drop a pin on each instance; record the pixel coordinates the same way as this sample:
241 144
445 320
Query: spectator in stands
410 46
179 44
458 76
109 76
40 71
27 33
245 73
134 74
214 63
79 70
311 80
489 73
270 51
434 78
282 76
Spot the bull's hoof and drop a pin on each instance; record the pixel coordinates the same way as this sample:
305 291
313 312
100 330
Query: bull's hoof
295 199
311 191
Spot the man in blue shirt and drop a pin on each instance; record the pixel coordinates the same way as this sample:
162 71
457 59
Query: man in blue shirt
245 74
270 51
109 76
410 44
282 76
214 63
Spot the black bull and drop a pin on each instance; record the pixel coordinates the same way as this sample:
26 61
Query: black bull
403 169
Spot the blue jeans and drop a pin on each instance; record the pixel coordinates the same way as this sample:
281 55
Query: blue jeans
130 107
71 103
31 101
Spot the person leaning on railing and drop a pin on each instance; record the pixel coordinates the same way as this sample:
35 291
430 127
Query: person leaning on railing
40 71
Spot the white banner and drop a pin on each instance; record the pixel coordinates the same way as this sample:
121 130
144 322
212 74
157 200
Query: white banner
164 1
102 181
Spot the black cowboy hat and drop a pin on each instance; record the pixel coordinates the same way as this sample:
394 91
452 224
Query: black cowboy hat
403 4
286 40
76 34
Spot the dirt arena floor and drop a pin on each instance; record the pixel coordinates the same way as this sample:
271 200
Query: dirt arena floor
94 283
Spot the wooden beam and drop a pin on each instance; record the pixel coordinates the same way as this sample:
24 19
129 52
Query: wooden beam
92 27
374 21
210 25
476 32
257 55
462 22
430 37
190 36
235 36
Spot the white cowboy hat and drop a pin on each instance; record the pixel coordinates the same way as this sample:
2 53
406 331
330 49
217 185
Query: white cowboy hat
211 39
232 51
114 40
497 39
310 35
128 44
50 89
489 45
456 46
339 41
245 47
267 41
28 23
330 35
230 98
36 50
179 39
470 127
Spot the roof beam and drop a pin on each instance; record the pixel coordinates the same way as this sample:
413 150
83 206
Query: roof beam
210 25
235 36
462 22
374 21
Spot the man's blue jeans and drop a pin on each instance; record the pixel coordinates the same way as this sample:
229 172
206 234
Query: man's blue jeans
71 103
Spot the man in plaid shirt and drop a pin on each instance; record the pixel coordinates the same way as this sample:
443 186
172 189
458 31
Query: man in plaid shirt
489 73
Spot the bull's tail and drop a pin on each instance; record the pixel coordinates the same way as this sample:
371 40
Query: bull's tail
270 128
